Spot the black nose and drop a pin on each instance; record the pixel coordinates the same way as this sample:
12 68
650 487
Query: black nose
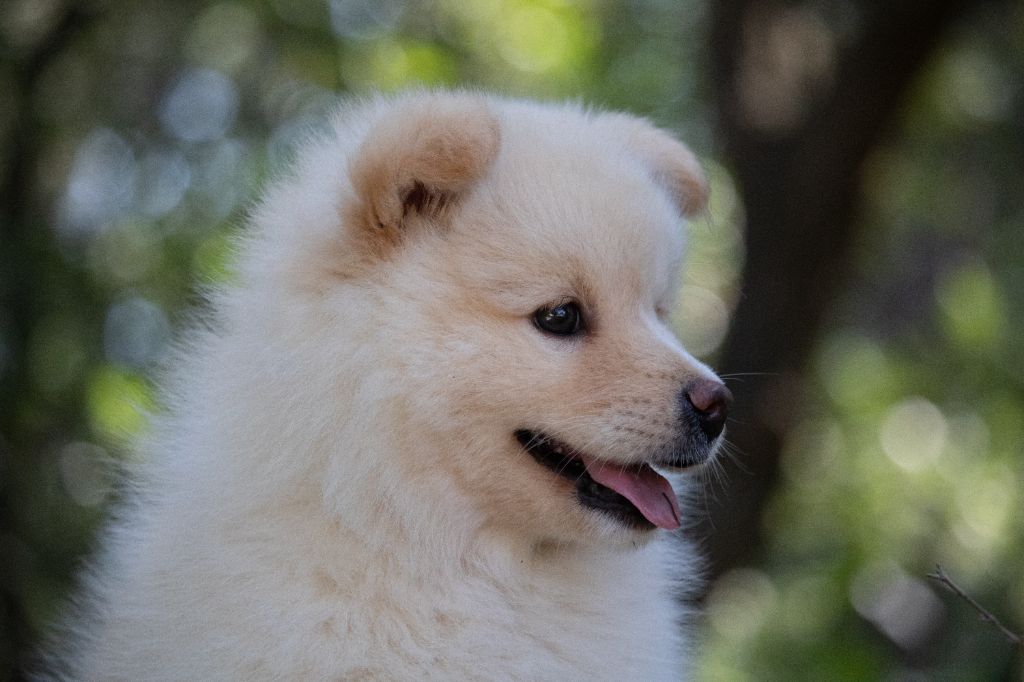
707 400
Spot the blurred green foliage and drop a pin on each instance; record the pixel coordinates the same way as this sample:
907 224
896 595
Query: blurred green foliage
135 134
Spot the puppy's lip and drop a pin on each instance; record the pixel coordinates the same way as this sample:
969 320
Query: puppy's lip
635 495
686 462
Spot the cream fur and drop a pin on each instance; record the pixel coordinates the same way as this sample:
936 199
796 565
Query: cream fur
334 491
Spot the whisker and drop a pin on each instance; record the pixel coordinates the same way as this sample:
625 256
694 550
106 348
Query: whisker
733 375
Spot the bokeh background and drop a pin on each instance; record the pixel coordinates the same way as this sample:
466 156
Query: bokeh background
859 277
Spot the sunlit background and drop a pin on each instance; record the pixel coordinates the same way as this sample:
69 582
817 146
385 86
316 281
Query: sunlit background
135 134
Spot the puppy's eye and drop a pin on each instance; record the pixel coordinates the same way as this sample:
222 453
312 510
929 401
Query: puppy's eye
561 320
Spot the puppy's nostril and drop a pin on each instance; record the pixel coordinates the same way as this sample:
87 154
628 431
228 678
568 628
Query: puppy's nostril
710 401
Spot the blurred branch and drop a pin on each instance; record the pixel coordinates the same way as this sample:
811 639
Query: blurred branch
940 576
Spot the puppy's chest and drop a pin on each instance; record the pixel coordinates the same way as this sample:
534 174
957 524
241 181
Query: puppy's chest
592 634
539 630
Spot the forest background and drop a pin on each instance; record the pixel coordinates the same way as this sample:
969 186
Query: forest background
859 277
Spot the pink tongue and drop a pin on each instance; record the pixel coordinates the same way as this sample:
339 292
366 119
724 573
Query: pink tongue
644 487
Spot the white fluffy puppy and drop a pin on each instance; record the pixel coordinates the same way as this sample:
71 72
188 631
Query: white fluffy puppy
421 438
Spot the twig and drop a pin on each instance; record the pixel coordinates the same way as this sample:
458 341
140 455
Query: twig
940 576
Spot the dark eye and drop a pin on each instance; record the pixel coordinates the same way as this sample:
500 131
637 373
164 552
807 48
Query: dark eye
561 320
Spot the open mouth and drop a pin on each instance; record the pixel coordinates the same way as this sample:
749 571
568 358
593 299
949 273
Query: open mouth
636 496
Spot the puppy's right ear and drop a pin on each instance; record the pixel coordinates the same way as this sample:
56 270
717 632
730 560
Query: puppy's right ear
419 159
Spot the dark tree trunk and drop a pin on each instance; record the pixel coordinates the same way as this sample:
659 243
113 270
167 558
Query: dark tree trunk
796 147
29 288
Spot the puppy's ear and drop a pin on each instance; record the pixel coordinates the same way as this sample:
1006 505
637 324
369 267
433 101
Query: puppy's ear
671 163
419 158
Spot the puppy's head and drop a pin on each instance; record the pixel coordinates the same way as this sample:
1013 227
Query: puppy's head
522 260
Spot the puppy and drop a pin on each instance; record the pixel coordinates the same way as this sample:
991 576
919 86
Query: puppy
426 435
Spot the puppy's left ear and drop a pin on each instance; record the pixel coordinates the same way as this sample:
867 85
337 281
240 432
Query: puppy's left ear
670 162
421 157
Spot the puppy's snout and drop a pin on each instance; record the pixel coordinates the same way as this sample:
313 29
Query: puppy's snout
708 400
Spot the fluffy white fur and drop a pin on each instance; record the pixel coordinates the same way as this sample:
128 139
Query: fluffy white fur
333 491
